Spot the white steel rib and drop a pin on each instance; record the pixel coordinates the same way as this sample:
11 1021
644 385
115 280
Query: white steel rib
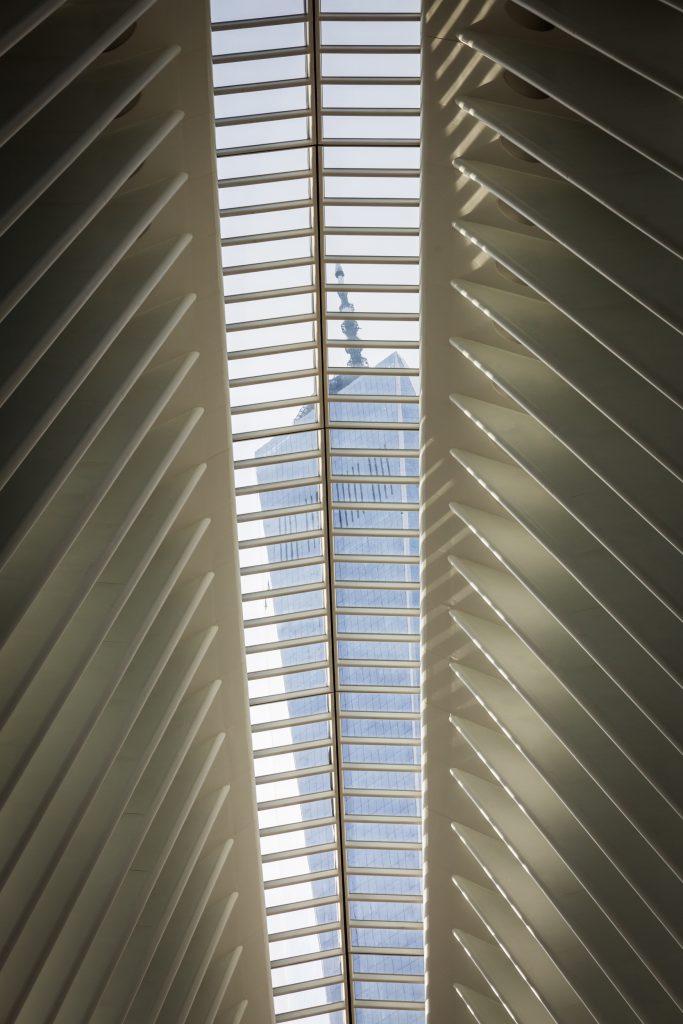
552 435
126 806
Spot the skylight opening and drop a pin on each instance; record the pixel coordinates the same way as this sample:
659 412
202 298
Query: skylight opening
317 132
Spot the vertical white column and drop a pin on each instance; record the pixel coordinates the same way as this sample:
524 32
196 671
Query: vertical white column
551 503
131 887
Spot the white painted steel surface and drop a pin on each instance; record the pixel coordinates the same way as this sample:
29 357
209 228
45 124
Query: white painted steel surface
551 491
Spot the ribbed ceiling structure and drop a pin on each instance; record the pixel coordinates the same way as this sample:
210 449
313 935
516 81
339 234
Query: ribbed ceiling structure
127 820
550 537
317 129
558 404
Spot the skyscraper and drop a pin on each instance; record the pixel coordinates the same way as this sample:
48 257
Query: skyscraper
356 744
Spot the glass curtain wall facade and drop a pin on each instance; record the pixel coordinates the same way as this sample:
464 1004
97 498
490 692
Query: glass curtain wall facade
317 113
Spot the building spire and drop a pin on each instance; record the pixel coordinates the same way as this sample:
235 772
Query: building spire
350 328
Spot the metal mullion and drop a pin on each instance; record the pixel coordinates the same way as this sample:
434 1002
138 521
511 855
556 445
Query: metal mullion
389 794
305 986
285 510
299 799
370 172
368 16
245 211
298 641
416 979
377 767
372 143
307 851
267 236
277 513
377 585
389 950
271 620
271 460
280 19
383 819
394 872
291 908
273 350
274 321
268 620
306 958
373 371
280 83
276 264
370 80
296 826
399 638
400 399
284 670
384 289
388 1004
389 453
356 844
373 48
368 688
376 342
292 748
365 531
399 716
296 720
285 538
409 926
264 147
381 741
377 663
360 610
398 318
288 776
388 289
314 691
311 929
265 118
282 403
382 559
316 102
411 261
393 345
364 425
384 232
284 883
285 723
272 378
309 1011
371 111
378 425
375 506
235 58
369 897
367 478
358 766
288 748
273 178
255 488
302 588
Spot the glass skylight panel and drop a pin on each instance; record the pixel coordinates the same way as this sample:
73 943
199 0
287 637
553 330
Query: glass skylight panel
317 129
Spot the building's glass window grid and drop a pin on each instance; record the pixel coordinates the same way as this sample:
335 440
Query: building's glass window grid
317 126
